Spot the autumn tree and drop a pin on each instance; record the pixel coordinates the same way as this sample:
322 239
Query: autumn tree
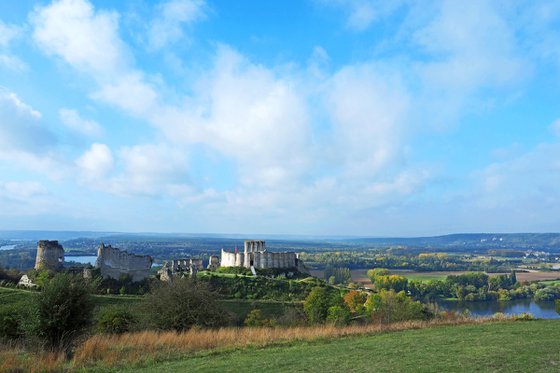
355 301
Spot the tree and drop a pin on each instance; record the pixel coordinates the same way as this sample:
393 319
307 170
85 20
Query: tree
388 306
115 320
355 300
317 304
64 310
182 304
338 315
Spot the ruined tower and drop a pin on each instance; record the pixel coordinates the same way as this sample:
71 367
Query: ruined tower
50 255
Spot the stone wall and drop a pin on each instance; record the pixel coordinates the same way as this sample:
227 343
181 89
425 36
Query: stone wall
114 263
50 255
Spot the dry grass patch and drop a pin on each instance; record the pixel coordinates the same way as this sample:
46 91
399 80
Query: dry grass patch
135 348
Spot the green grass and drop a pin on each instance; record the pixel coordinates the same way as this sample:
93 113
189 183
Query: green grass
421 276
550 282
10 296
494 347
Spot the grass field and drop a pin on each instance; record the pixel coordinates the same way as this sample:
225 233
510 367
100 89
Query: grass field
239 307
492 347
359 276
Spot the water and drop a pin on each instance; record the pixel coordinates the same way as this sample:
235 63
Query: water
541 310
84 259
7 247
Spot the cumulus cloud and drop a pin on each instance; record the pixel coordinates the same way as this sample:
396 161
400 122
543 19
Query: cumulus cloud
167 27
21 126
475 44
85 38
361 14
72 119
96 163
368 109
22 190
88 40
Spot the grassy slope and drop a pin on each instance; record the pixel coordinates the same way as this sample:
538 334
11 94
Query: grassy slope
495 347
239 307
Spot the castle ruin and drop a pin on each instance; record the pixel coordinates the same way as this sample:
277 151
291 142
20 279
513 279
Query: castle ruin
50 255
115 263
255 255
180 267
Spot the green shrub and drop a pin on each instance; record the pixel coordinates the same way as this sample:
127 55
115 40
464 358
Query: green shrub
115 320
182 304
338 315
63 310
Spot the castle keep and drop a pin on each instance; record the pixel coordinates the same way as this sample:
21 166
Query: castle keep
114 263
255 255
50 255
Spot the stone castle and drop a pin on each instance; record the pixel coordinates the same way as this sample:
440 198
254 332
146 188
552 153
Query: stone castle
50 255
255 255
114 263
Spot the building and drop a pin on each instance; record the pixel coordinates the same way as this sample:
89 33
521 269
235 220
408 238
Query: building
255 255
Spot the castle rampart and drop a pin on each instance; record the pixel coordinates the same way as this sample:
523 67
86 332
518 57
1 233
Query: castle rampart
114 263
256 255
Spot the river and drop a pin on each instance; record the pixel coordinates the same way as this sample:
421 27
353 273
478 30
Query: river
84 259
541 310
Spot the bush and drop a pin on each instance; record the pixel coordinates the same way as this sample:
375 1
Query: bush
182 304
115 320
257 318
63 310
11 322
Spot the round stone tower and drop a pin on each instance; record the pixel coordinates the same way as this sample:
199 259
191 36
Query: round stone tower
50 255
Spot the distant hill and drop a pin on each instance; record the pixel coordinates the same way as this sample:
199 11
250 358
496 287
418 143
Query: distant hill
458 241
526 241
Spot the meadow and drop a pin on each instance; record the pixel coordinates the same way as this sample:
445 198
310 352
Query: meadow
491 347
359 276
496 345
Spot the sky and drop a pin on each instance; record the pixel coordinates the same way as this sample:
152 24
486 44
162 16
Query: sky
311 117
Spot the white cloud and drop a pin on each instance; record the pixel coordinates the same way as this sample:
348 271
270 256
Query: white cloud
8 33
368 107
22 190
361 14
172 15
72 119
86 39
472 46
96 163
555 127
263 126
130 93
21 126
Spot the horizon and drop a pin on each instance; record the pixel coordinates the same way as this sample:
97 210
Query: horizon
260 235
352 118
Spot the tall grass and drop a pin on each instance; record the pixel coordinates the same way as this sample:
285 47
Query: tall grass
15 360
134 348
111 351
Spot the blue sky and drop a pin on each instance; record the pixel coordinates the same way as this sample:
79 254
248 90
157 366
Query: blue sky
336 117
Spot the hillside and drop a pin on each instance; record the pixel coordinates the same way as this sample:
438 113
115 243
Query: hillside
492 347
